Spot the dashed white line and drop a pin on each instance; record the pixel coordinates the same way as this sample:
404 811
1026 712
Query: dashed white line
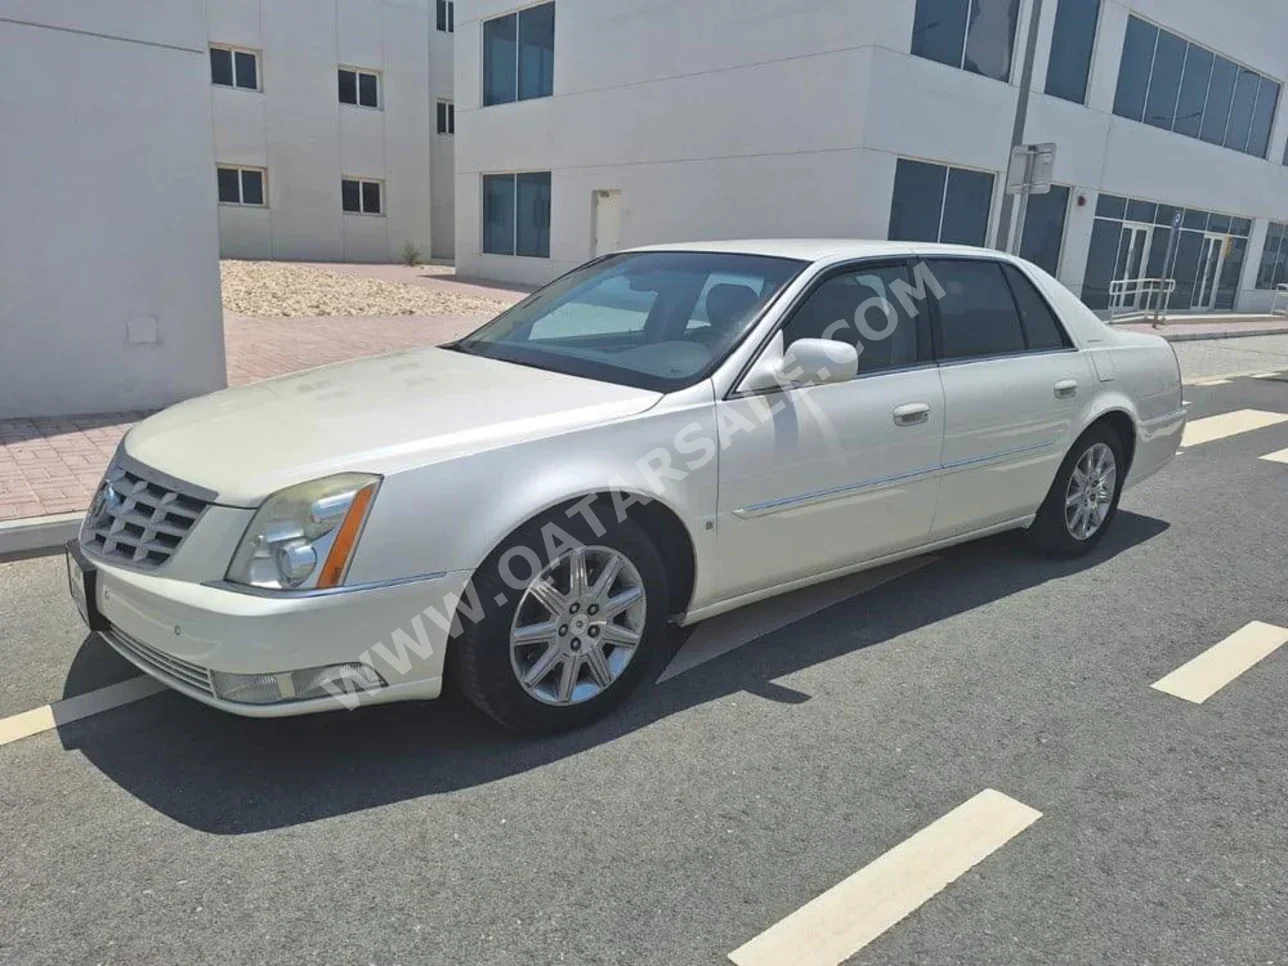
1281 456
1200 678
1229 424
62 712
1265 375
834 926
1212 382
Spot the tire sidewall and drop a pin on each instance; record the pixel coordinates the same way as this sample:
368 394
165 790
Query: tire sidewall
1050 530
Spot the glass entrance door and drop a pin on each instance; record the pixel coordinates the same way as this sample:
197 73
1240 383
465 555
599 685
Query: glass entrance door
1133 250
1211 260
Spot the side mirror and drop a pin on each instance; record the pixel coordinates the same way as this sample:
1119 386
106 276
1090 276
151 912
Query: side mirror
814 362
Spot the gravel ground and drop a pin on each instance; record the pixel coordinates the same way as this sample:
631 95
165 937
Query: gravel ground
284 290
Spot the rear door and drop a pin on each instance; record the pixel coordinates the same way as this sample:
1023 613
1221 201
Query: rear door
1013 388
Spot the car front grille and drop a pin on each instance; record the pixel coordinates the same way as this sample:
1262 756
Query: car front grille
140 517
168 668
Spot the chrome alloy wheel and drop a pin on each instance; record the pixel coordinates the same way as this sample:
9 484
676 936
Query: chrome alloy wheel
1091 492
578 625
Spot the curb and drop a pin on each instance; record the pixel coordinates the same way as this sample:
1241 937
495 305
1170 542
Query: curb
38 533
1210 336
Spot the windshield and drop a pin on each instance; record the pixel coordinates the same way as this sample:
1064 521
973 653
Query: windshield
655 320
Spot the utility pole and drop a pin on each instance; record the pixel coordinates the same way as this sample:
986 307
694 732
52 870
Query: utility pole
1002 242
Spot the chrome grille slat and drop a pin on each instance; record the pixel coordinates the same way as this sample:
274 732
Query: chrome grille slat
193 675
138 517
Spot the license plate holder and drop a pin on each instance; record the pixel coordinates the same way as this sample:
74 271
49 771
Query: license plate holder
82 584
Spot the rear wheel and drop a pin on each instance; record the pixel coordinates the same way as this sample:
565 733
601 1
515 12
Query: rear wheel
1083 499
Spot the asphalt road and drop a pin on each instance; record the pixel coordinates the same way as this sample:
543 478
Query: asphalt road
725 797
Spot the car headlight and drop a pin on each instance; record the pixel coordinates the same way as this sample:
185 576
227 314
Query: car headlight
303 537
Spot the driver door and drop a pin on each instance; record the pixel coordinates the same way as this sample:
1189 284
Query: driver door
817 478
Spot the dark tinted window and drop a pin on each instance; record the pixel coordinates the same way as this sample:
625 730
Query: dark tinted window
446 118
1245 101
1165 214
348 87
1133 72
966 206
1143 211
537 51
990 37
229 185
498 214
977 314
1040 325
532 220
1241 226
500 60
445 16
918 201
1165 81
252 187
1072 44
1216 116
367 90
1195 220
864 308
371 197
221 67
247 73
1111 206
350 196
1044 228
1274 257
1264 118
1194 86
939 30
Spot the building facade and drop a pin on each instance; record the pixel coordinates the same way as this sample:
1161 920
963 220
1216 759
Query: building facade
332 127
109 275
587 125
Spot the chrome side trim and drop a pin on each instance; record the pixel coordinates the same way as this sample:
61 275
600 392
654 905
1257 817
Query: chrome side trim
822 496
326 592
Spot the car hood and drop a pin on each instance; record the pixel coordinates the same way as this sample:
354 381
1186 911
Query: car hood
374 415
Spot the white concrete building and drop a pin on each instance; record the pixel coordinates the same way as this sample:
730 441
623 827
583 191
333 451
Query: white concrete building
109 278
627 123
331 127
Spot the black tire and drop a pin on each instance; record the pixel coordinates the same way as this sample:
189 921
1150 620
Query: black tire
1049 533
479 657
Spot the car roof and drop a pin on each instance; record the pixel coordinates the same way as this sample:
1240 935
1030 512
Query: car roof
822 249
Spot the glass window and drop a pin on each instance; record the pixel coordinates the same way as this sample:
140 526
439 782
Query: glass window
221 66
1133 73
1041 329
625 318
247 70
976 312
1216 116
1165 215
368 90
445 16
500 60
532 220
1143 211
1044 228
446 117
1185 266
229 185
1194 87
939 30
1241 227
1264 118
990 37
1241 110
498 214
1072 44
1218 223
1195 220
1227 289
966 207
537 51
252 183
240 186
350 196
371 198
348 86
1102 259
1274 270
1165 80
918 201
1111 206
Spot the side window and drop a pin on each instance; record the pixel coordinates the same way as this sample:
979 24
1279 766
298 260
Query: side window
868 308
1041 327
976 311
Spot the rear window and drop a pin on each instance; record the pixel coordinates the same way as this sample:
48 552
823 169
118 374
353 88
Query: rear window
1041 327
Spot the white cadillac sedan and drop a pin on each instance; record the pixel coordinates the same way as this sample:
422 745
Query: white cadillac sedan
656 437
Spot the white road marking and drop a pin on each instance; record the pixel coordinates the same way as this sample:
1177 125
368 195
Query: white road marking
831 928
62 712
1199 679
1266 375
1212 382
1229 424
1278 457
722 634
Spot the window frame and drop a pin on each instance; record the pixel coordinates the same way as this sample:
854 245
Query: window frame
1280 254
518 56
514 235
362 201
445 15
1091 58
233 51
358 73
445 117
241 184
961 56
1064 226
948 170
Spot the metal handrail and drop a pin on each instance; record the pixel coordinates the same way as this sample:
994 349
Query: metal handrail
1281 295
1157 294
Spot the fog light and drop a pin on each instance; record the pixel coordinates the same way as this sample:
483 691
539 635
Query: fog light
247 688
302 685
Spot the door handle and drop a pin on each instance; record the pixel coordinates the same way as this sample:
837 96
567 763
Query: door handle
1066 389
910 414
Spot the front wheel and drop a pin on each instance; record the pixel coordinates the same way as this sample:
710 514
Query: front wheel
1083 499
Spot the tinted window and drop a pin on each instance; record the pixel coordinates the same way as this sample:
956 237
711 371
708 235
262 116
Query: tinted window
371 197
367 95
247 74
221 67
1216 116
498 214
1072 44
1245 101
966 206
1044 228
990 37
532 222
500 60
537 51
1196 220
252 187
977 314
1102 257
1274 257
1111 206
939 30
1040 326
1194 86
348 87
1264 118
350 196
864 308
229 185
1165 81
1133 73
1143 211
918 201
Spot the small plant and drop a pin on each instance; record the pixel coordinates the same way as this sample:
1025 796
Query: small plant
410 254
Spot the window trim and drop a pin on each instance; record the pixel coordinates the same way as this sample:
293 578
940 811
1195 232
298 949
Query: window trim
357 87
234 50
360 181
483 212
241 191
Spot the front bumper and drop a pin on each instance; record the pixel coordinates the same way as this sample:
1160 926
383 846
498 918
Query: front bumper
186 635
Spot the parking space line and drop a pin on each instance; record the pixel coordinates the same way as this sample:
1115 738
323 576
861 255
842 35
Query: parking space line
1229 424
62 712
1205 675
1278 457
1212 382
1266 375
834 926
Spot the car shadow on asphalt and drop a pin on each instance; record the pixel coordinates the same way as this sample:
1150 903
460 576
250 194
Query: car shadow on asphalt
223 774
